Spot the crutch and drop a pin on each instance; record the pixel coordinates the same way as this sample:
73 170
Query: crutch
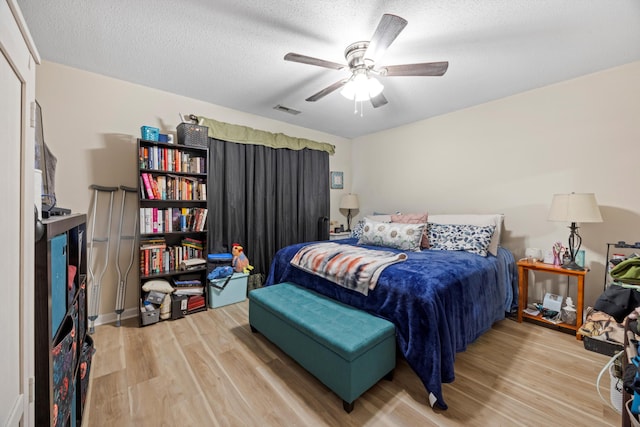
122 279
96 280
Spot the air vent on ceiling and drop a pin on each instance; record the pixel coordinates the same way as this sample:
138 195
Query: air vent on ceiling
286 109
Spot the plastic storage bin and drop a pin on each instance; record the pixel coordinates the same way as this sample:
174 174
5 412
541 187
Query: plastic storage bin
150 317
234 291
149 133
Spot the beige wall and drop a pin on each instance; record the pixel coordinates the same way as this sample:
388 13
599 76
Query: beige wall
91 123
507 156
511 155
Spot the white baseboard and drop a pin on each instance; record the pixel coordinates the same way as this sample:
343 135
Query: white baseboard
104 319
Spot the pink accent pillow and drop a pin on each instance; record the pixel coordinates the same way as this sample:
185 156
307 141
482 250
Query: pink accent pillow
414 218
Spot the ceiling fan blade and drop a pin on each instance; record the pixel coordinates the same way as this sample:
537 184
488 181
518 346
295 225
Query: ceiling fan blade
388 29
423 69
327 90
379 100
296 57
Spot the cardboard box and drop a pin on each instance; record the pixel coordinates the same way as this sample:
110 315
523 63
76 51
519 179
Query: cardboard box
235 290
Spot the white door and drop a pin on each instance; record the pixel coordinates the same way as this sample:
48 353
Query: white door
17 92
10 88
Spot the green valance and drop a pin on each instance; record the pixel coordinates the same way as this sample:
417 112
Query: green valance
247 135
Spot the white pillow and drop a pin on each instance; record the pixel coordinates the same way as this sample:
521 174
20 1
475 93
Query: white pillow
159 285
475 219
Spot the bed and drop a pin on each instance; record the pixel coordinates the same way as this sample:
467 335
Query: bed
439 300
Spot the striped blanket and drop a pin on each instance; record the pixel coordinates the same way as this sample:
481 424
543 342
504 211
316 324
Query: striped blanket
349 266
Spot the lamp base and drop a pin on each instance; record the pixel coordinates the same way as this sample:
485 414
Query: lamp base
572 265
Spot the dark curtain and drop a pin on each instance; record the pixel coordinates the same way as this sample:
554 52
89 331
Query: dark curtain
265 198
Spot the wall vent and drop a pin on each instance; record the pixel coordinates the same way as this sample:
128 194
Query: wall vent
286 109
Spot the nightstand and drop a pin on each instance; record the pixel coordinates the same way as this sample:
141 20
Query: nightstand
524 267
339 236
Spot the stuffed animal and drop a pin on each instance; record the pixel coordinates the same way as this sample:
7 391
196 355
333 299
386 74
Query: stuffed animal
240 262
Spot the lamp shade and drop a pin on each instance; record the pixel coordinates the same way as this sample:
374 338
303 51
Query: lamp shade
575 207
349 201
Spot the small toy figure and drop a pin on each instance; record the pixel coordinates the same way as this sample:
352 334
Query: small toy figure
240 262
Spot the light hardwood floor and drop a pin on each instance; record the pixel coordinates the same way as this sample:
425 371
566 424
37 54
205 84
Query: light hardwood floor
208 369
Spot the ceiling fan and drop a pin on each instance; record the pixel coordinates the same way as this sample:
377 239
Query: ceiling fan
361 59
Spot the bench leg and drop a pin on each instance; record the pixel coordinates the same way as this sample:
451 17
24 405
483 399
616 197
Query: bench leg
254 330
389 376
348 407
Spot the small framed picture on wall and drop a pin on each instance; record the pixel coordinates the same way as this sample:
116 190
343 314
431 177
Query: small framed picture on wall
337 180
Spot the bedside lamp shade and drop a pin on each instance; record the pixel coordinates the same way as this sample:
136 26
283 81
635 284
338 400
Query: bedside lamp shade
349 202
573 208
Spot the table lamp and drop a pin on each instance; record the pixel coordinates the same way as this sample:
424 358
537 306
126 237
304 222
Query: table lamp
574 208
349 202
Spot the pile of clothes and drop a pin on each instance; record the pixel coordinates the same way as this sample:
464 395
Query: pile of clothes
600 325
622 297
620 300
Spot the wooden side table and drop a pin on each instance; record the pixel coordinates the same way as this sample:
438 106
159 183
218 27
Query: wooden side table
523 287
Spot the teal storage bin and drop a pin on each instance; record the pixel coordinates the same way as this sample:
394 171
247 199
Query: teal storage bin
234 291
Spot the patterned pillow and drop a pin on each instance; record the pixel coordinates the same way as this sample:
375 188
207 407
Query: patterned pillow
460 237
414 218
357 230
475 219
392 235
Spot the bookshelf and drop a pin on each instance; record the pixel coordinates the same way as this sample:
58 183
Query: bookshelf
173 228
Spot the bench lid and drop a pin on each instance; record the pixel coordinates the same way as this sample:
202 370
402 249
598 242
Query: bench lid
346 330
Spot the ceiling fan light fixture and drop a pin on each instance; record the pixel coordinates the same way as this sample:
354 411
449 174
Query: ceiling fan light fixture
362 87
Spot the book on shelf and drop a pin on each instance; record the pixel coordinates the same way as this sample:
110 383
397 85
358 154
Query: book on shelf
153 243
195 302
202 222
147 186
189 290
192 263
186 283
154 187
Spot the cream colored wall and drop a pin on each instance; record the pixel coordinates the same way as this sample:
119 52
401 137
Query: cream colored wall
506 156
91 123
511 156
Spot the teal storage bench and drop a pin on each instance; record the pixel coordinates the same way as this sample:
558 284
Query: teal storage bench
347 349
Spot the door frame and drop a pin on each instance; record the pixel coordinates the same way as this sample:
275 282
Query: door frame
17 46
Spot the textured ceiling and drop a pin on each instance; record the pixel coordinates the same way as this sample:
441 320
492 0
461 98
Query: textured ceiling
230 52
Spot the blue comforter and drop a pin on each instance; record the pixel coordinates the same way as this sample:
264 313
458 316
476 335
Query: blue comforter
440 301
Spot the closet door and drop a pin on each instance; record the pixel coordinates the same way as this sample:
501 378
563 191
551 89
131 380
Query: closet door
17 92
